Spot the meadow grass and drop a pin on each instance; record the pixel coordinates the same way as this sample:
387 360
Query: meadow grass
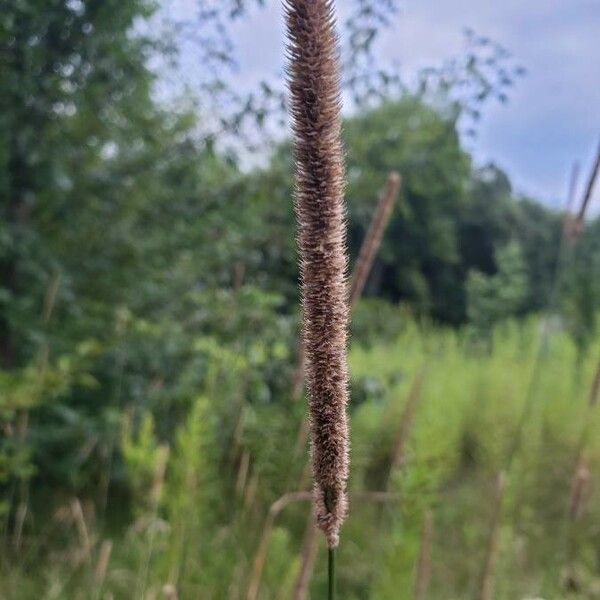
184 536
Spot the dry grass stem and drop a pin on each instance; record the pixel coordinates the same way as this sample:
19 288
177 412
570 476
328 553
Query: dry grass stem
424 560
159 475
580 490
307 560
595 389
261 554
242 474
491 554
406 422
372 242
102 564
589 190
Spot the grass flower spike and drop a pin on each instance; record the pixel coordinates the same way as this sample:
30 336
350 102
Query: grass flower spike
319 201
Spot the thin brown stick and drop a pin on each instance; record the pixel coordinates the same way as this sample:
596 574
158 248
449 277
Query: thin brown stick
242 474
82 530
589 190
423 574
250 492
372 242
261 554
158 478
595 389
102 564
406 422
21 515
50 298
485 591
307 560
579 490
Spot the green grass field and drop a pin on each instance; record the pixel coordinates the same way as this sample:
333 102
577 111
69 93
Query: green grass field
436 417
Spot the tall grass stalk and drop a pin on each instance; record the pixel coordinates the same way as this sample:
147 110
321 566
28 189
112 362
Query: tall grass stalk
405 425
485 591
372 242
261 554
595 389
307 560
102 566
320 209
589 190
423 573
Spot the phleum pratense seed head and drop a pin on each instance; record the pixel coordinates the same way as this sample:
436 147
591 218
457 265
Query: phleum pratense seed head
319 202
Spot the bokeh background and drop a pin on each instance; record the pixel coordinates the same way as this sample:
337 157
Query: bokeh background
152 416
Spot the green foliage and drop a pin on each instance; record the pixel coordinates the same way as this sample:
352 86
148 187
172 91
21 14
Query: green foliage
197 522
494 298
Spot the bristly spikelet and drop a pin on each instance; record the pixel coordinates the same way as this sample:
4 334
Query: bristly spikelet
319 202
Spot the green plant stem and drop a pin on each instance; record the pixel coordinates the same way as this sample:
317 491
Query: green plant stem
331 573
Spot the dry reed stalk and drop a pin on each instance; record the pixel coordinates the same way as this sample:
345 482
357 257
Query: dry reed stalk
372 242
313 75
242 474
580 490
158 478
50 298
485 591
238 431
406 422
102 564
20 516
239 270
261 554
82 530
250 492
580 486
589 189
595 389
307 562
423 574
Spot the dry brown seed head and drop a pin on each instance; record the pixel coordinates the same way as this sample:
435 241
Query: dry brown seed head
320 210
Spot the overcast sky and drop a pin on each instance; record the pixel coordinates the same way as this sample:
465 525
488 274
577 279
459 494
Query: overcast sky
553 117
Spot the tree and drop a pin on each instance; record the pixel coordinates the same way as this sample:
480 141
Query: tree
493 298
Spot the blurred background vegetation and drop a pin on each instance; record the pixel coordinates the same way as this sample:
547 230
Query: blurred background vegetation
149 316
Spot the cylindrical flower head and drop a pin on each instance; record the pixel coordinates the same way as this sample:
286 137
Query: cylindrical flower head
319 203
